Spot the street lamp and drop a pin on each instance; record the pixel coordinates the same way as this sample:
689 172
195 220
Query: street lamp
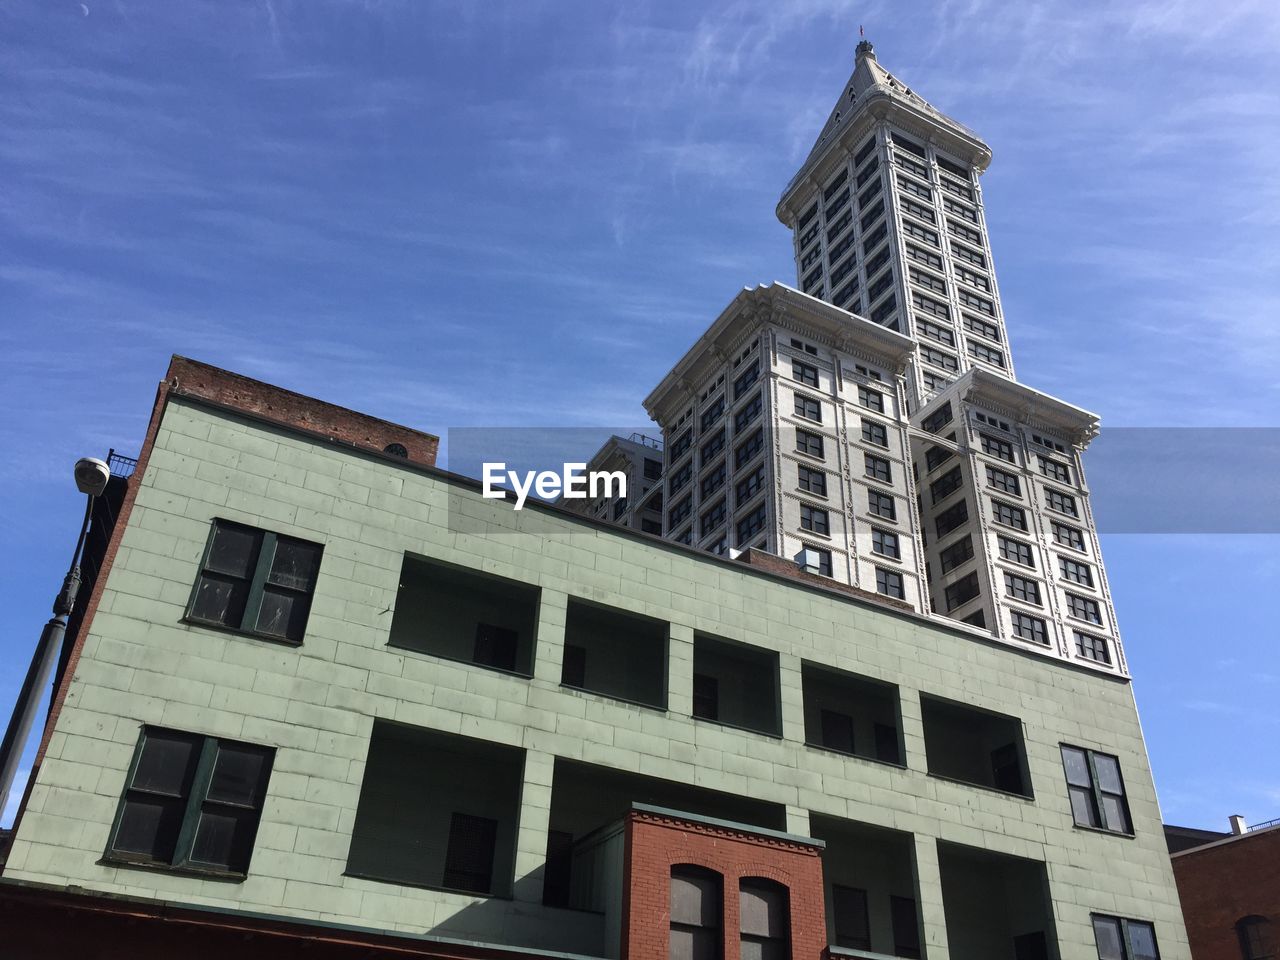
91 476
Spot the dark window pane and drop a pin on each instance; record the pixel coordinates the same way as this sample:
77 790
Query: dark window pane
167 763
234 550
706 697
220 600
1113 814
468 862
853 928
763 909
1006 770
1142 940
887 743
574 671
1106 933
224 838
149 827
239 775
1082 810
1108 773
695 900
906 929
283 613
295 563
1077 767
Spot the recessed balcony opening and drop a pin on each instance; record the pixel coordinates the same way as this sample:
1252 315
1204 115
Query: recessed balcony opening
437 810
871 888
851 714
974 746
616 654
587 802
462 614
995 905
736 685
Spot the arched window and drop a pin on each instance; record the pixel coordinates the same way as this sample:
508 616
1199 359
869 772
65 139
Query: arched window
1256 938
695 913
765 919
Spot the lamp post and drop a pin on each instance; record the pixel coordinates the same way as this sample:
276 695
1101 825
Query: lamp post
91 476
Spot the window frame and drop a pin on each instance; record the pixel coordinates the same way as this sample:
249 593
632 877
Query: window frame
1122 925
194 800
1096 791
258 583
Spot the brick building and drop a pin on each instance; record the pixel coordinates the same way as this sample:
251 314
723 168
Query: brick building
325 695
1229 885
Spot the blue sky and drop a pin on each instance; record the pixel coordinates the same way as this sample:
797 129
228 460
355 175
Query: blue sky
521 213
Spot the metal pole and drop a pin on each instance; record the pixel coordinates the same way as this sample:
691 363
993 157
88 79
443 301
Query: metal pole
38 674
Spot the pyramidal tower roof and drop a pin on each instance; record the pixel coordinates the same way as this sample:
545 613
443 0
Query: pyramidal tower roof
874 93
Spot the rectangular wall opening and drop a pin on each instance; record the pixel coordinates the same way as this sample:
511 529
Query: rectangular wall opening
870 879
974 746
466 615
995 905
616 654
437 810
736 684
586 800
851 714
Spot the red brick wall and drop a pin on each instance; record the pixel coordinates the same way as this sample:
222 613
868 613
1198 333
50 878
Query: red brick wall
194 379
655 843
1221 884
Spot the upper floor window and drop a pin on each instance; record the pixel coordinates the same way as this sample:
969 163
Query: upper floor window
1120 939
805 373
764 912
695 914
255 581
1095 789
871 399
996 447
191 803
1256 938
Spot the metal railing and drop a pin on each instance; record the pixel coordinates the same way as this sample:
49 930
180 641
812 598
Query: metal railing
121 466
1264 825
645 440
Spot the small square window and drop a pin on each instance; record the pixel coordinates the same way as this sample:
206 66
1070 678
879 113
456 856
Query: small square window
885 543
876 433
889 582
810 443
254 581
805 373
881 505
812 481
878 468
809 408
814 519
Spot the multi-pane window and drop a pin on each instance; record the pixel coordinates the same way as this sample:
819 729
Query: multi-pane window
1015 551
945 485
938 419
815 519
680 478
935 457
878 468
1027 627
961 592
995 447
713 413
764 919
1008 514
748 486
1082 608
680 512
871 399
1096 789
812 481
713 481
951 518
808 442
1092 648
652 469
1121 939
1020 588
750 525
956 554
979 326
939 359
876 433
748 413
256 582
809 408
805 373
982 352
881 505
889 582
1256 938
746 379
680 446
695 914
1055 470
748 449
1075 571
1068 536
191 802
885 543
1062 502
712 518
1002 480
711 448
